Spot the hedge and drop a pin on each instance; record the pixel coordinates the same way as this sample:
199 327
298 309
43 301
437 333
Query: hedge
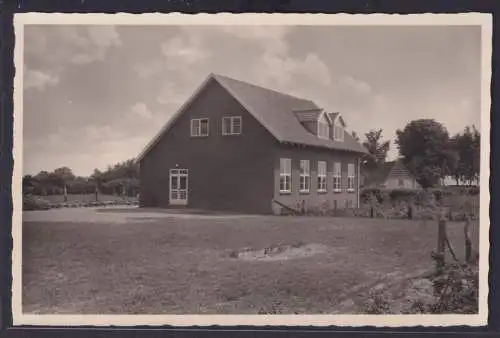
394 195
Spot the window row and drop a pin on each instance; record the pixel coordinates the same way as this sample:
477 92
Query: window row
305 176
231 125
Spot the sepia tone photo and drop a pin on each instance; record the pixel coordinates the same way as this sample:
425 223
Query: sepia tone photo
288 169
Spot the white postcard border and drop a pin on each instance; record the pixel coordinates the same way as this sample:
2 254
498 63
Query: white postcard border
461 19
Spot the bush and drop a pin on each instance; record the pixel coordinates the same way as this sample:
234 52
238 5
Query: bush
379 194
453 290
472 191
403 195
32 203
377 304
457 289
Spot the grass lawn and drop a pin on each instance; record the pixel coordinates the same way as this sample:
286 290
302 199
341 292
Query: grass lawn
179 265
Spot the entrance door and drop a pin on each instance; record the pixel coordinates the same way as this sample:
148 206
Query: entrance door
178 186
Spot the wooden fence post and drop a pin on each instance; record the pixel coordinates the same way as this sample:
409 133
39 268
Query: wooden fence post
468 242
441 238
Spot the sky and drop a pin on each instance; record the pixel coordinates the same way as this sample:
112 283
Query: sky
96 95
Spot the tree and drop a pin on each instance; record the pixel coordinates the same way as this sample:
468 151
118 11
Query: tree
424 146
476 159
467 147
64 173
28 184
61 176
355 136
120 178
377 148
43 182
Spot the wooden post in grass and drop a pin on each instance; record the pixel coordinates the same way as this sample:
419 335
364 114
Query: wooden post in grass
65 192
441 241
468 242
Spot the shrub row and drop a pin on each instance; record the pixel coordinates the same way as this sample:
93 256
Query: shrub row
385 195
34 204
399 211
91 204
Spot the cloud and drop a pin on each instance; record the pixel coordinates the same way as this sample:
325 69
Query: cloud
59 45
97 133
145 71
169 94
36 79
272 64
352 84
35 41
258 33
182 53
98 147
104 36
94 43
141 109
271 38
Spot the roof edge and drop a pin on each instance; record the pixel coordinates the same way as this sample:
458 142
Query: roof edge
318 146
212 76
247 108
174 118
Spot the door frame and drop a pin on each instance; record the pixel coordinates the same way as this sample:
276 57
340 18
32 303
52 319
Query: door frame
178 173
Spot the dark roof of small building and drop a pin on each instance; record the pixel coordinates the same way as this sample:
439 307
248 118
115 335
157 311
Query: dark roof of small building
275 111
379 175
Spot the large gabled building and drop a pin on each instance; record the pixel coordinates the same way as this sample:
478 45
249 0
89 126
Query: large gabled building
239 147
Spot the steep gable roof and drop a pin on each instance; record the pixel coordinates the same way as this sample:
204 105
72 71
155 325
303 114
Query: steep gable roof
274 110
382 173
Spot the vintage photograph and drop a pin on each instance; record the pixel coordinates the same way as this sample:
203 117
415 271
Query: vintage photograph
243 165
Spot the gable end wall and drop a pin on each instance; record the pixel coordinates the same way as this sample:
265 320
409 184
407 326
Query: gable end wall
230 173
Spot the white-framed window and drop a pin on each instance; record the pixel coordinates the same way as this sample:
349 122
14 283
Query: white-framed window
199 127
285 175
338 133
351 174
337 176
321 176
231 125
305 176
323 130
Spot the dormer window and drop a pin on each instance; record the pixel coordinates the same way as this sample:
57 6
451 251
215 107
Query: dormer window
338 133
323 130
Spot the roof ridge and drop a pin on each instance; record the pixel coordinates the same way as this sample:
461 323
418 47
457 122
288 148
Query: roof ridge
215 75
270 107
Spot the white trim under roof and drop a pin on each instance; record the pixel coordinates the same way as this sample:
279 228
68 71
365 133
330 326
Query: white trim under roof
339 117
320 123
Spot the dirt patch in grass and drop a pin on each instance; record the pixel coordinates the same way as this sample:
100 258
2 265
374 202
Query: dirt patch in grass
280 252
